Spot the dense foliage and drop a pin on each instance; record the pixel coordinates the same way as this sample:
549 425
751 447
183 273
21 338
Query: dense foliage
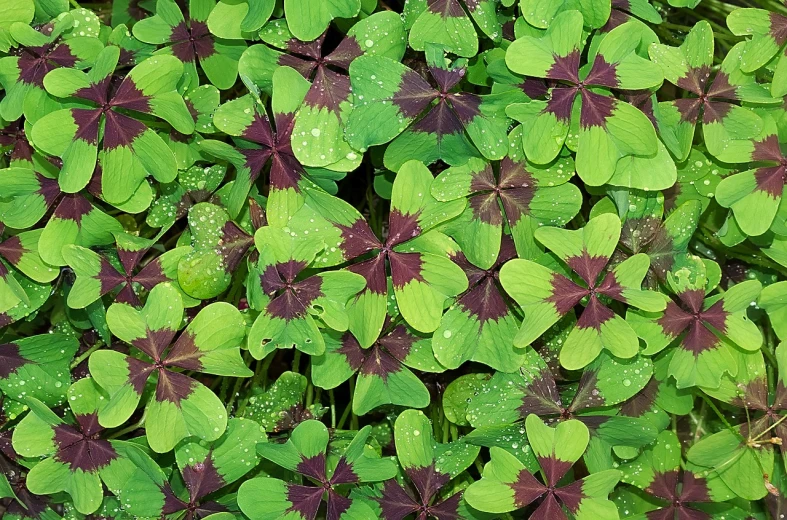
356 259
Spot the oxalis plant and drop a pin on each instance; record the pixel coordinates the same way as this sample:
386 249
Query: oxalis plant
398 259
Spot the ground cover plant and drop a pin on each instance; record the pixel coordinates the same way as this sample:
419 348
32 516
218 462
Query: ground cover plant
399 259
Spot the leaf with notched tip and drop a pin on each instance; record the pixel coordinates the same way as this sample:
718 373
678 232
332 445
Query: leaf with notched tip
21 252
755 195
76 220
36 294
39 52
290 305
180 406
259 143
320 123
507 485
188 40
768 31
676 491
664 240
219 247
129 149
415 254
11 292
75 458
445 22
727 127
281 407
38 367
595 13
708 329
97 275
306 453
308 19
389 98
12 12
194 185
201 102
429 466
27 195
749 388
735 457
480 326
698 177
233 20
318 134
545 295
605 383
384 375
516 193
609 129
205 468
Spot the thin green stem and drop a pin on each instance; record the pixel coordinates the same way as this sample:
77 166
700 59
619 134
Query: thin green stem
131 428
309 394
343 418
353 417
86 354
263 374
296 360
235 394
706 237
333 408
225 387
719 414
346 412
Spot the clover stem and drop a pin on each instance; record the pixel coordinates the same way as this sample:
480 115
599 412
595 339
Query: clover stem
768 353
260 373
346 412
353 417
235 393
309 394
75 4
719 414
131 428
86 354
698 430
225 386
296 359
479 465
769 428
753 259
333 408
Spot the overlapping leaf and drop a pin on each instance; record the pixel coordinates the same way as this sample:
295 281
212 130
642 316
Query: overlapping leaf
726 126
545 295
708 329
291 305
130 150
180 406
435 123
306 453
608 129
188 39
